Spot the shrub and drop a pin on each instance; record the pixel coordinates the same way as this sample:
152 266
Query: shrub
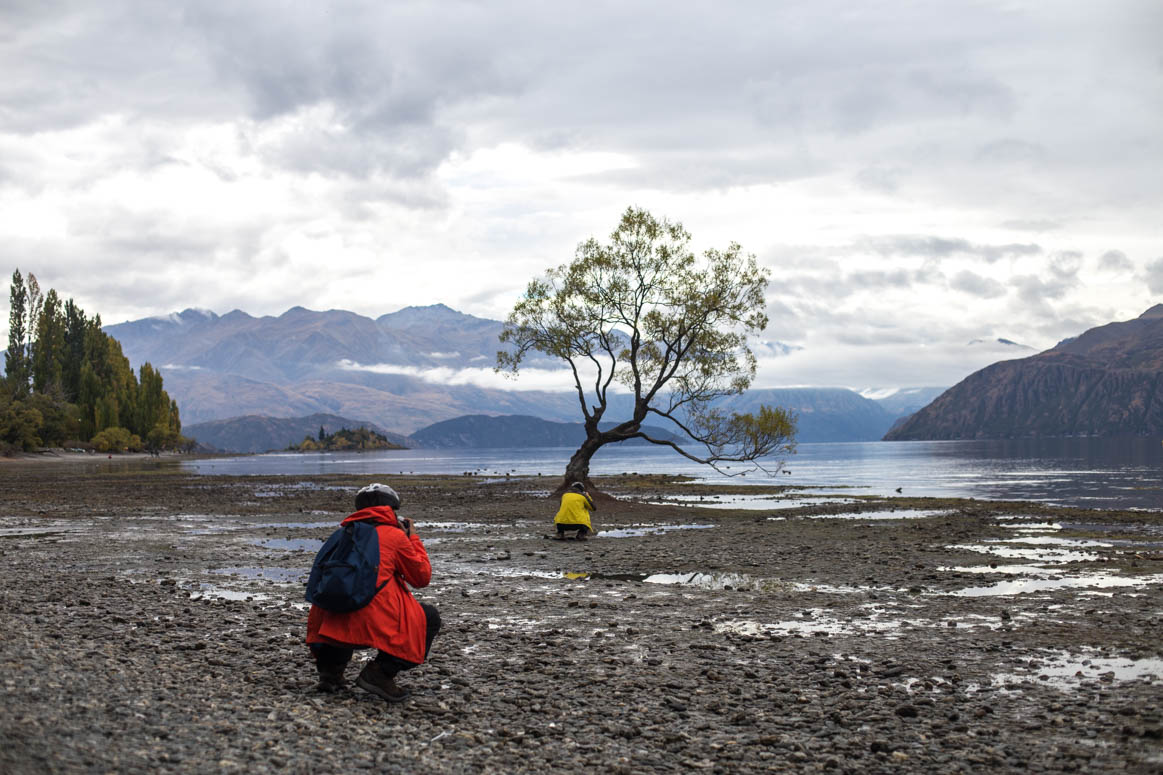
117 440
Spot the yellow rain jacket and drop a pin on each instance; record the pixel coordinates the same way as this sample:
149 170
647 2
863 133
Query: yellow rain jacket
575 510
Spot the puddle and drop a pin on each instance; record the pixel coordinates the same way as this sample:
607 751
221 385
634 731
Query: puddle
1145 529
820 621
700 580
1067 671
33 532
637 531
298 525
1044 556
454 527
713 581
1030 526
1081 582
716 581
1056 541
1013 570
813 625
513 623
886 514
514 572
311 545
277 575
831 589
207 524
277 490
202 591
756 502
696 579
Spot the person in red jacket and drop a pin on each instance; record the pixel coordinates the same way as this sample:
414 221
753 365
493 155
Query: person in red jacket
393 622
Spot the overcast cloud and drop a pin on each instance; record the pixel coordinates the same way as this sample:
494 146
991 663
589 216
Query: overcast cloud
917 175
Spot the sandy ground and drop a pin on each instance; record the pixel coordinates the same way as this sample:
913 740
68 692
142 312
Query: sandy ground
152 620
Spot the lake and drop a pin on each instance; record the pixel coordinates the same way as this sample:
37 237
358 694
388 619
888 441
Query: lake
1092 473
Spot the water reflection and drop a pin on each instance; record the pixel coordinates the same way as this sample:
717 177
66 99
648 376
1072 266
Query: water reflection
645 530
291 544
1088 581
1110 473
751 502
1066 671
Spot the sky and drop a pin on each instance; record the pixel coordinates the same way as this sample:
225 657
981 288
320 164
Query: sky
921 178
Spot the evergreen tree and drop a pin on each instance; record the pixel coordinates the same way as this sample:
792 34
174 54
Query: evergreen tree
76 325
35 302
49 355
15 362
68 380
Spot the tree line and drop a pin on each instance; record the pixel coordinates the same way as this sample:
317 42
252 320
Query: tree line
359 439
67 383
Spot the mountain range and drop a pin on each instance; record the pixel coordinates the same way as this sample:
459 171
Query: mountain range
258 433
1107 381
400 373
479 430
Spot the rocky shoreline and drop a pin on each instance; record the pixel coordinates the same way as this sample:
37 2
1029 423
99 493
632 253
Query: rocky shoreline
152 622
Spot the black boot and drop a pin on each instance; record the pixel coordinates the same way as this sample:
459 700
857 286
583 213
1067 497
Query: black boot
330 678
381 682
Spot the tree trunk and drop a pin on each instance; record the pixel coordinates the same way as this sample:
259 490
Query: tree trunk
578 468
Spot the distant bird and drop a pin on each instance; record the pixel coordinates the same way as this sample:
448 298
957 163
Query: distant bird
898 489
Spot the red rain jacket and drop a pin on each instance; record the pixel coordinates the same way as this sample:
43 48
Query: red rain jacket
393 621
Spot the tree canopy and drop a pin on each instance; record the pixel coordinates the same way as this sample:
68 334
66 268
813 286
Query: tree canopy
359 439
642 314
67 382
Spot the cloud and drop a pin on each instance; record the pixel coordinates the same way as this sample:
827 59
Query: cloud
886 180
1153 276
1035 225
976 285
864 365
1012 152
1034 290
898 278
943 247
1115 261
530 378
879 158
1065 264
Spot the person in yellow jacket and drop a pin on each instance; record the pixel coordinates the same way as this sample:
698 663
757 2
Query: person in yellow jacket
574 513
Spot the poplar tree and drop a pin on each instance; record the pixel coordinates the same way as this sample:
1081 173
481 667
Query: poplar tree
68 380
49 354
15 360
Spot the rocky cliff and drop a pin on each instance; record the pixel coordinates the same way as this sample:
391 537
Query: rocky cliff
1105 382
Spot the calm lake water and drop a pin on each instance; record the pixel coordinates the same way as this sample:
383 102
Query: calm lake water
1093 473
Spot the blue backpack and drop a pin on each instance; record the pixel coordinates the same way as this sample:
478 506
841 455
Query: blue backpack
343 576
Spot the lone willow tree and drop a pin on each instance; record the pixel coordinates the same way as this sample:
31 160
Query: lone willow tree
643 316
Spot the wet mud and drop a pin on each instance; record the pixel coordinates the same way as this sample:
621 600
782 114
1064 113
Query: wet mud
152 621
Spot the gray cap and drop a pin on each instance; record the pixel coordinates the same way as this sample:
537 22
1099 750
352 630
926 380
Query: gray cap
376 494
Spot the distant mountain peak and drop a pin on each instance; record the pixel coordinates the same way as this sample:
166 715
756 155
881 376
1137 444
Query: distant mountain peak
198 313
431 314
1001 341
